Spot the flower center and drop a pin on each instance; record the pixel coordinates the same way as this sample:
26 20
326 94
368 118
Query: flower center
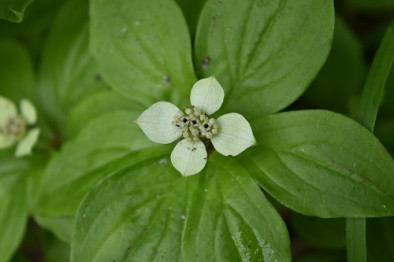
14 128
195 124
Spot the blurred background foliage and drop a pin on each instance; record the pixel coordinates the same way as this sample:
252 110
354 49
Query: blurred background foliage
359 28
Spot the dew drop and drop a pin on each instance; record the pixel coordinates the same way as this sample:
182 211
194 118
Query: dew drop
137 23
183 217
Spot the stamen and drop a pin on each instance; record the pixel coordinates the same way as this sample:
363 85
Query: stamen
195 132
195 124
14 128
197 111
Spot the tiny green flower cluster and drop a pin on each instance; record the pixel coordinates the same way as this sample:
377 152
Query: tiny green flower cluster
195 124
230 134
14 128
18 127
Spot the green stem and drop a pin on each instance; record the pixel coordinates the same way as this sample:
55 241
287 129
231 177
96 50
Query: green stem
356 239
370 100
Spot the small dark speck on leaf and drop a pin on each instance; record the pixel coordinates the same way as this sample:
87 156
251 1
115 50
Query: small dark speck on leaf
205 63
213 17
97 77
167 79
248 246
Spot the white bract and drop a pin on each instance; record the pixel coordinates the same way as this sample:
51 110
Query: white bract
14 127
164 123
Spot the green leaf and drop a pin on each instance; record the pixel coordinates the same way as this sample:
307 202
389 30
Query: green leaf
342 76
68 72
149 212
16 71
386 108
13 203
322 164
376 80
96 105
368 109
384 126
36 19
102 146
143 49
264 53
13 10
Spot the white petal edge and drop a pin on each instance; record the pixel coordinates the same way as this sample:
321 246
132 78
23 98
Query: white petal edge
235 135
7 109
156 123
28 111
207 94
5 142
26 144
189 157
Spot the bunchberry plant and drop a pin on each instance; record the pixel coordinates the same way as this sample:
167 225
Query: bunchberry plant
18 128
189 181
164 123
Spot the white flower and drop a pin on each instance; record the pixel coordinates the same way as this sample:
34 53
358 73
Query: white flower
14 127
164 123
